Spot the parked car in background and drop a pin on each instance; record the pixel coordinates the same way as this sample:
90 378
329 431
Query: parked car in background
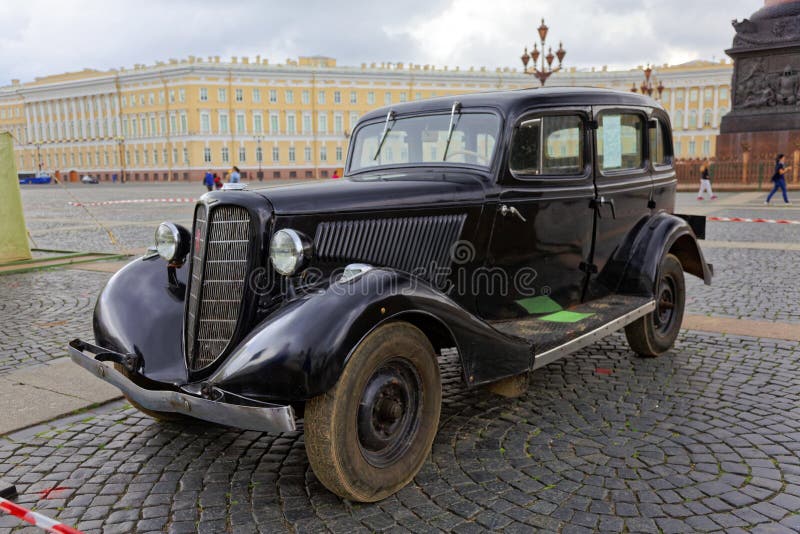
517 227
86 179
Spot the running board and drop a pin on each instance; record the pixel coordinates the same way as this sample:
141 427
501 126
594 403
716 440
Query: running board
586 339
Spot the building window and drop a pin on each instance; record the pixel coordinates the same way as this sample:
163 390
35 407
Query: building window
306 123
163 121
240 123
276 154
203 94
171 97
181 95
145 156
678 120
225 155
155 157
417 96
186 155
273 96
371 98
679 95
173 126
338 123
403 96
706 148
692 119
322 122
259 155
337 97
353 97
289 96
692 147
339 153
153 125
323 153
291 154
164 153
320 97
242 154
273 124
693 95
307 153
707 117
207 155
353 120
184 123
723 93
205 123
175 156
387 98
256 95
291 124
223 123
239 94
258 126
222 95
708 93
306 96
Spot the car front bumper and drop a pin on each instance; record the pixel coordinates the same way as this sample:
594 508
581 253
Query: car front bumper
262 417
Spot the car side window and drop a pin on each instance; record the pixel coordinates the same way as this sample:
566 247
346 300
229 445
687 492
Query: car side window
619 141
550 145
660 150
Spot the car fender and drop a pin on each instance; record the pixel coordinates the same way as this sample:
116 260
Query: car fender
300 350
634 267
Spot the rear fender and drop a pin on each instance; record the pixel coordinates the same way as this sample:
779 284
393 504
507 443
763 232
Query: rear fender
300 350
634 267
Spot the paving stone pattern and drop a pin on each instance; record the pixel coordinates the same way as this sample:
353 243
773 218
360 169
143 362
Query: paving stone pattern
702 439
41 311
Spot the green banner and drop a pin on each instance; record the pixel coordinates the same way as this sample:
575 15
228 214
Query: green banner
13 237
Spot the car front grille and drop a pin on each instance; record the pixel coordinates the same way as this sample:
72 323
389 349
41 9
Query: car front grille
217 282
418 245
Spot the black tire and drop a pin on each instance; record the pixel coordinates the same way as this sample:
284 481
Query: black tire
655 333
164 417
369 435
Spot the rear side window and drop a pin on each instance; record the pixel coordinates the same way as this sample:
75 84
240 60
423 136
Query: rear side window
660 150
619 142
550 145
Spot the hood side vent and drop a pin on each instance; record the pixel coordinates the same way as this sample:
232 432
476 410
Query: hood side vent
418 245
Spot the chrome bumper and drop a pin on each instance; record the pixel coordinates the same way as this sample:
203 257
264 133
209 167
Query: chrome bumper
270 418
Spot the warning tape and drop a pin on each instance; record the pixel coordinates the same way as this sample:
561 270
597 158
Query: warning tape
35 518
183 200
753 220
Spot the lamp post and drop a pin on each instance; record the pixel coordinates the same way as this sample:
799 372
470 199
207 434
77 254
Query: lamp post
546 70
39 157
647 87
259 156
121 144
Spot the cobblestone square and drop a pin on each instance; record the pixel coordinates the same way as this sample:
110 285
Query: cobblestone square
702 439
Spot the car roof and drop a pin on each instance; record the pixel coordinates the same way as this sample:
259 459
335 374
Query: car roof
522 99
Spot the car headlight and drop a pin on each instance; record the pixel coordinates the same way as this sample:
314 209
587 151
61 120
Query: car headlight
172 242
288 251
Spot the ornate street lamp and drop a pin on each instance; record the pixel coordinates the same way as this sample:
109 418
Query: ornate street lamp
646 87
546 70
121 143
259 156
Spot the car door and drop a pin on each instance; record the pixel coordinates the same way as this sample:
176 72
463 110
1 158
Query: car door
623 184
541 228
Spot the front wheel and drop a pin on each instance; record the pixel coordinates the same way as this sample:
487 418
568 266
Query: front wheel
369 435
656 332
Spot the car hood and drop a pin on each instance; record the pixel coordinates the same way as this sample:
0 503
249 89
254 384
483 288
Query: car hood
376 191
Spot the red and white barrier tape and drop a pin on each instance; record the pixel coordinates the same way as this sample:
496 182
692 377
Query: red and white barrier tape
35 518
753 220
182 200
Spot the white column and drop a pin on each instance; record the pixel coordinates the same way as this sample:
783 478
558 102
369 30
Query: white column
671 104
36 137
715 124
73 102
702 111
90 109
28 123
57 119
686 92
109 117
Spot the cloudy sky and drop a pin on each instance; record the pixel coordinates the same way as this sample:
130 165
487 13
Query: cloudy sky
39 37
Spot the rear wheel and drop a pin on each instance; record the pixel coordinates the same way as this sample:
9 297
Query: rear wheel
370 434
656 332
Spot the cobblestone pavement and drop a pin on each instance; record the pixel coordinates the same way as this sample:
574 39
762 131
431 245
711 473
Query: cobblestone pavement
703 439
41 311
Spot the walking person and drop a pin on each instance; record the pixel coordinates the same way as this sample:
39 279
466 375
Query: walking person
208 180
217 181
779 179
705 182
234 177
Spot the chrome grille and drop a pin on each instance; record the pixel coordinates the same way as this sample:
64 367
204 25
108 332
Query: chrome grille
419 245
218 277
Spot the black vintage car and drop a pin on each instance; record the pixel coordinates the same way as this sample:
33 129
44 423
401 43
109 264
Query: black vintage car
517 227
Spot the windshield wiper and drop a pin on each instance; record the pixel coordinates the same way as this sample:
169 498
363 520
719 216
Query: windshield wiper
386 130
452 128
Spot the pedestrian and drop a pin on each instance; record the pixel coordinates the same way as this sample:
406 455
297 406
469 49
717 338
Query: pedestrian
234 177
208 180
705 182
217 181
335 174
779 179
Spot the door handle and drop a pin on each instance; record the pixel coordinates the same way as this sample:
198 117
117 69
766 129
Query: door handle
511 211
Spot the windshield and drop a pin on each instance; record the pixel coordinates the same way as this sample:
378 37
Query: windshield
424 140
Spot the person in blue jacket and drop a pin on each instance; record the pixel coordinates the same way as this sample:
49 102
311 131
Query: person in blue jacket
208 180
779 179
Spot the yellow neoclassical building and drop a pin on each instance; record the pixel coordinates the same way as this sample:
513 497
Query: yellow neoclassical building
176 119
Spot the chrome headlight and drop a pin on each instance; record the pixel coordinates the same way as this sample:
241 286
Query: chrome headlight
172 242
288 251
